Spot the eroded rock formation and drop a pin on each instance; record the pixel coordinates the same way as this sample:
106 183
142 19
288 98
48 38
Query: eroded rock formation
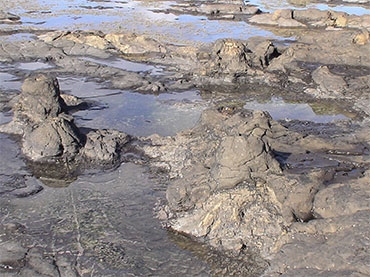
238 180
220 172
49 132
227 187
40 116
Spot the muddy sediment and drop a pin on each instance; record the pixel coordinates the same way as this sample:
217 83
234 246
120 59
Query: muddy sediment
270 195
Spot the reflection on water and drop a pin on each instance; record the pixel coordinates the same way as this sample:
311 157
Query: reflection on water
168 113
279 109
109 214
133 16
127 65
270 6
9 82
164 114
134 113
31 66
5 117
16 37
149 17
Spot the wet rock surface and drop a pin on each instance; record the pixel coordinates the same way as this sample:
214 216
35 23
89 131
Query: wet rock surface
271 198
49 133
215 188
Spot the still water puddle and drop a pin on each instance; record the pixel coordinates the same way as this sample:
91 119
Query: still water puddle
281 110
270 6
31 66
9 82
165 114
168 113
17 37
151 17
127 65
134 113
5 117
136 16
21 66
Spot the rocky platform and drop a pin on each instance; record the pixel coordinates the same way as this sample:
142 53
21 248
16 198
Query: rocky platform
292 193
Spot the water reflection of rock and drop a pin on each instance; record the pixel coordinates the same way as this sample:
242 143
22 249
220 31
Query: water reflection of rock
50 139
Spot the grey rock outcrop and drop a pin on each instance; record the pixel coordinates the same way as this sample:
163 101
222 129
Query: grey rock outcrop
103 146
235 57
340 234
227 188
40 100
125 44
55 137
342 199
288 18
219 171
49 133
230 57
40 116
280 18
220 153
329 83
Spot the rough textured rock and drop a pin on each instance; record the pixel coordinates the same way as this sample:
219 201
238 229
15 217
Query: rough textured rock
329 83
40 99
236 152
226 186
40 117
224 220
280 18
49 133
342 199
131 44
103 146
341 241
94 39
234 57
362 38
126 44
230 57
227 189
330 47
304 18
312 16
264 51
219 170
55 137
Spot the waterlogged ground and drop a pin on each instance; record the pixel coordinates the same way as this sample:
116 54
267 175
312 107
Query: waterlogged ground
349 8
102 223
104 220
164 114
141 17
